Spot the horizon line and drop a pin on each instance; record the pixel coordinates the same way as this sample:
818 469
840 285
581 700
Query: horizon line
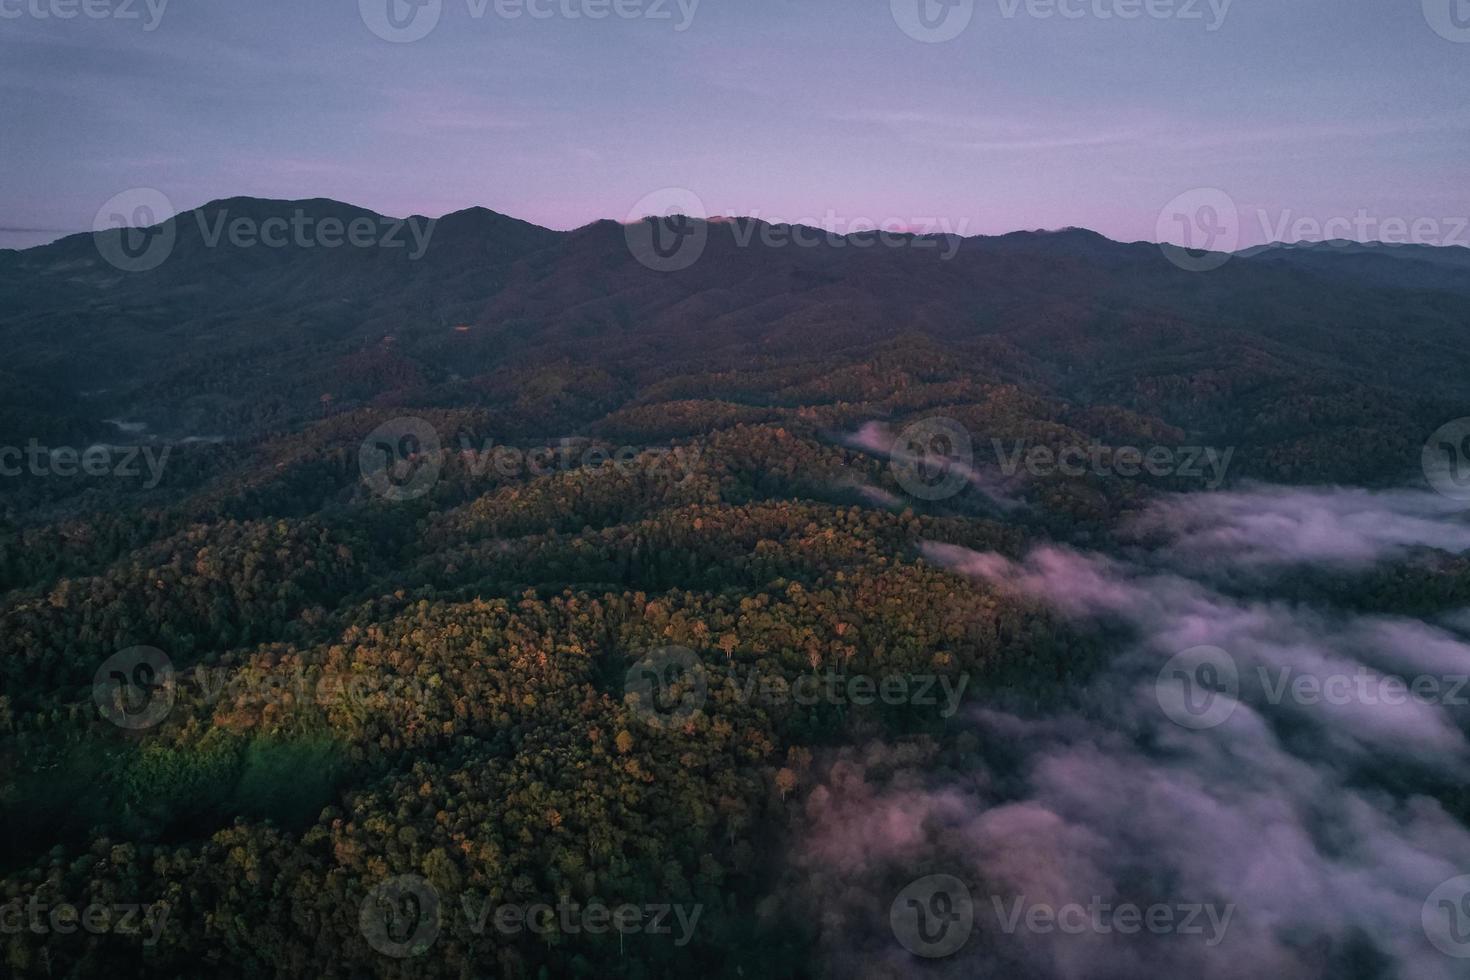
709 219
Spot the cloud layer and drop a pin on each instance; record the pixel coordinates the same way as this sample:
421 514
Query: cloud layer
1274 526
1309 818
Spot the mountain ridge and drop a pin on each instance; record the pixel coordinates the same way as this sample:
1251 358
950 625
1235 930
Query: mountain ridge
250 206
242 340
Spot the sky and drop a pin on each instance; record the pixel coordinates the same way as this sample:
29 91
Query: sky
1301 118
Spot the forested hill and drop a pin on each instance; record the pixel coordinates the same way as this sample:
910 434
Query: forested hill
237 331
335 567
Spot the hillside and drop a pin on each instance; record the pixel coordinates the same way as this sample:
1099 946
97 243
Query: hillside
405 538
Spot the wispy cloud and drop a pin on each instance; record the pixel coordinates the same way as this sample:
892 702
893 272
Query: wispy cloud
1279 813
1153 132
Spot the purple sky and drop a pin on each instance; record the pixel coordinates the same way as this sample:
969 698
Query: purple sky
822 110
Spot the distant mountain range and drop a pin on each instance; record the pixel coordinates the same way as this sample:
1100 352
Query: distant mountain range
231 336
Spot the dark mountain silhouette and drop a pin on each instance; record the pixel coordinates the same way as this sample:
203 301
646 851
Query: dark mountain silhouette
1405 266
1313 343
